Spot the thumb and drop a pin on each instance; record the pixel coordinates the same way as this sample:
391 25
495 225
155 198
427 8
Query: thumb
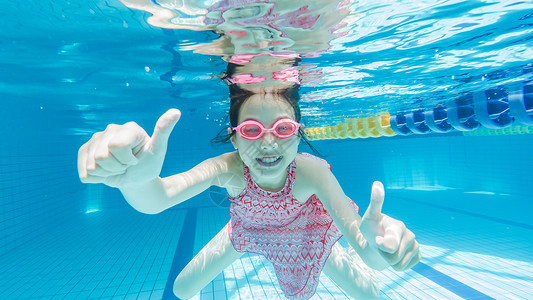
376 200
164 127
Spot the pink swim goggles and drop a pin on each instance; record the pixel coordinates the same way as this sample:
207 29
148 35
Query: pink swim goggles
253 130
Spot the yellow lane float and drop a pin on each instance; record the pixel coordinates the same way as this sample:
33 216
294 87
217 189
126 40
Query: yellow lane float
376 126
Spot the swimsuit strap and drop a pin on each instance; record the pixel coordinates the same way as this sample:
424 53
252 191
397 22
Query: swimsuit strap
251 185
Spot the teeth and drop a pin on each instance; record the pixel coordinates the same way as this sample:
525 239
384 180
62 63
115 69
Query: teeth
269 159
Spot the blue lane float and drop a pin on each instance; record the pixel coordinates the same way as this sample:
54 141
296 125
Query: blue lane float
521 103
461 114
416 122
491 108
398 124
437 119
496 108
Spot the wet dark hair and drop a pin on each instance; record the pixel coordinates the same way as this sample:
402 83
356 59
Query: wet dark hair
239 95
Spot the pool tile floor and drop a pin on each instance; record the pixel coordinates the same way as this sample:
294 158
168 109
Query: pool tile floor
124 254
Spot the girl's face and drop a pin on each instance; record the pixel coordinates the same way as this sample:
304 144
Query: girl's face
269 156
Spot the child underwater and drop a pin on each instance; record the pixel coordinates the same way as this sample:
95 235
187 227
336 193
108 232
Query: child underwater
285 205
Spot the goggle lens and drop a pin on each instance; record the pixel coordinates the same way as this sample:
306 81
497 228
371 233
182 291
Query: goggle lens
253 130
285 129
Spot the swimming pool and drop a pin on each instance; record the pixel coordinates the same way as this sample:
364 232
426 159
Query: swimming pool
372 102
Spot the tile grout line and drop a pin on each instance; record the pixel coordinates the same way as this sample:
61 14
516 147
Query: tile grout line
184 251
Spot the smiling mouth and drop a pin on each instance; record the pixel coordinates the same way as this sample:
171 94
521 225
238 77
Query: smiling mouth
269 161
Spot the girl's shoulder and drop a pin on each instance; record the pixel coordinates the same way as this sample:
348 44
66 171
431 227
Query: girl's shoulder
311 173
232 172
310 163
232 161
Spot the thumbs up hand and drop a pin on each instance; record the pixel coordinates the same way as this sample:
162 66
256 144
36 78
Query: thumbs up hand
395 243
122 155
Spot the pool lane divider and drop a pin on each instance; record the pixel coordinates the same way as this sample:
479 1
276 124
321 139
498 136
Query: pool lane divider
460 289
496 110
184 251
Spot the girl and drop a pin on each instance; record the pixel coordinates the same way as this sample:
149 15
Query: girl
286 206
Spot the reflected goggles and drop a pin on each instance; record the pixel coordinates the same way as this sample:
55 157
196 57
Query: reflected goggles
253 130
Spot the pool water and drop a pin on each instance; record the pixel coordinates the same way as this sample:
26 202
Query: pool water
460 181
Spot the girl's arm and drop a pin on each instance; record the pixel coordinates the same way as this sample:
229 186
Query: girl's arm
160 194
330 193
400 249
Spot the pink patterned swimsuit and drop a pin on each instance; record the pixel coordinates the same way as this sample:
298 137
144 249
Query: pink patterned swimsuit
296 238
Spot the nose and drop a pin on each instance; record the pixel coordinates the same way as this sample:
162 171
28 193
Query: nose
269 141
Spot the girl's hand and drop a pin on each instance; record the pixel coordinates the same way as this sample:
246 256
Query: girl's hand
122 155
395 243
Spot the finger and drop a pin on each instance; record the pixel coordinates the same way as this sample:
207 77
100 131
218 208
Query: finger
105 159
393 232
126 142
376 200
85 159
101 172
92 179
114 181
97 149
416 259
410 259
82 162
163 128
124 155
390 241
110 163
90 161
406 260
405 247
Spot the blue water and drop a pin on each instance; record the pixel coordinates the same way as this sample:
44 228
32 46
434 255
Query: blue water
68 69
